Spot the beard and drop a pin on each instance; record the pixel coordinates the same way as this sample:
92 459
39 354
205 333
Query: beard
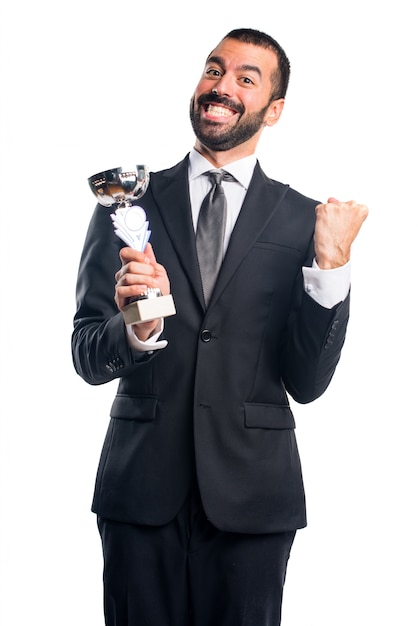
212 136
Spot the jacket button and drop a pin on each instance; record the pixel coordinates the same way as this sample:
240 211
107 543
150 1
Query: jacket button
206 335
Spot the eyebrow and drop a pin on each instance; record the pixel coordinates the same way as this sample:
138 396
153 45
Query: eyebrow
241 68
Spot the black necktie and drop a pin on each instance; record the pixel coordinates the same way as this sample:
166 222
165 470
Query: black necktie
211 230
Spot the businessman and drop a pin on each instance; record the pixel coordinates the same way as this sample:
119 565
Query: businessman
199 490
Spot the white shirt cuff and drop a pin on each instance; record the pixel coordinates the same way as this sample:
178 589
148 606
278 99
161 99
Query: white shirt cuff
327 287
151 343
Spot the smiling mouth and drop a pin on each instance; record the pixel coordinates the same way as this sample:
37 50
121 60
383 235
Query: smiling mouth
214 110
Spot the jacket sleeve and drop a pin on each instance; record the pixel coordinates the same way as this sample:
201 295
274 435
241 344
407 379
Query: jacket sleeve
314 342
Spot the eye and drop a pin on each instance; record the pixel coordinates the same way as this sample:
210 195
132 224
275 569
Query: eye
213 72
247 81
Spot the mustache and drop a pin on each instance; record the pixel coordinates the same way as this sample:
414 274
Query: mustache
211 98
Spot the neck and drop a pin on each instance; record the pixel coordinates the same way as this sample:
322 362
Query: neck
221 158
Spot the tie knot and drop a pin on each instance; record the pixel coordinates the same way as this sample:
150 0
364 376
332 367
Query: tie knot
216 177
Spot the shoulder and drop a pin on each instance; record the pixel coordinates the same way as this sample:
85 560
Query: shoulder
169 173
290 195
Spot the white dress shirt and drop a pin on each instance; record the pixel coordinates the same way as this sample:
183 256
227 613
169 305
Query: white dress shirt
326 287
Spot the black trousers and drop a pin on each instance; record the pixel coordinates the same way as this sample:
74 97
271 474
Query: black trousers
189 573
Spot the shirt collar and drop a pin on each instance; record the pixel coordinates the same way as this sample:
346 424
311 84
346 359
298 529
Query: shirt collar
242 169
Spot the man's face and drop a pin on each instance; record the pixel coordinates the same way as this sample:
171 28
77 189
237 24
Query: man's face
231 104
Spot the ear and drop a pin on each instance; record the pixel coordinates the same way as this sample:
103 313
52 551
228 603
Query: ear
274 112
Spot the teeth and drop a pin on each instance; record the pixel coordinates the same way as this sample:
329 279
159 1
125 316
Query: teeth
217 110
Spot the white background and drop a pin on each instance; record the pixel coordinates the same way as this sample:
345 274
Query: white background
93 85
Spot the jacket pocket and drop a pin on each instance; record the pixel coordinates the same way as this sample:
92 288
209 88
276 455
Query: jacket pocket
268 416
127 407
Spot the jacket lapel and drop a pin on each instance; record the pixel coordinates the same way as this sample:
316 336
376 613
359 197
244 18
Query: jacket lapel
170 189
261 202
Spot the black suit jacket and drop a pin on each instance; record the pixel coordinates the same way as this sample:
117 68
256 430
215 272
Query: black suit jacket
214 402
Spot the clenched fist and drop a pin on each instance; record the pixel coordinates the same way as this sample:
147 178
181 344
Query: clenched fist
337 225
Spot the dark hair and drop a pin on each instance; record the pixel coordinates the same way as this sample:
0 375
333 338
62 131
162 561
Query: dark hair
280 78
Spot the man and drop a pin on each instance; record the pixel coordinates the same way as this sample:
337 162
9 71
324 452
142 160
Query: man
199 490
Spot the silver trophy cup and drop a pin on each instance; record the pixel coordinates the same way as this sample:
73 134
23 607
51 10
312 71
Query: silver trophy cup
122 187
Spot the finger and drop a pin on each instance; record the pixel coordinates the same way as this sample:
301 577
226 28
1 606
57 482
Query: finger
149 253
130 254
132 272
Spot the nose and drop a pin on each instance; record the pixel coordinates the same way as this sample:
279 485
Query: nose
224 86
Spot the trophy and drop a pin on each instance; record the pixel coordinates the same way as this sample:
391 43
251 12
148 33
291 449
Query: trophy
122 187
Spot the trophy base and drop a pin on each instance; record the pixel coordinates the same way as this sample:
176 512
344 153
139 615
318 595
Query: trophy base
148 308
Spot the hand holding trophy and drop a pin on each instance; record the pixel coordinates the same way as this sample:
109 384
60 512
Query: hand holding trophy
122 187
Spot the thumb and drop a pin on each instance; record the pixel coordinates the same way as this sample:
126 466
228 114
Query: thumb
149 253
333 200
